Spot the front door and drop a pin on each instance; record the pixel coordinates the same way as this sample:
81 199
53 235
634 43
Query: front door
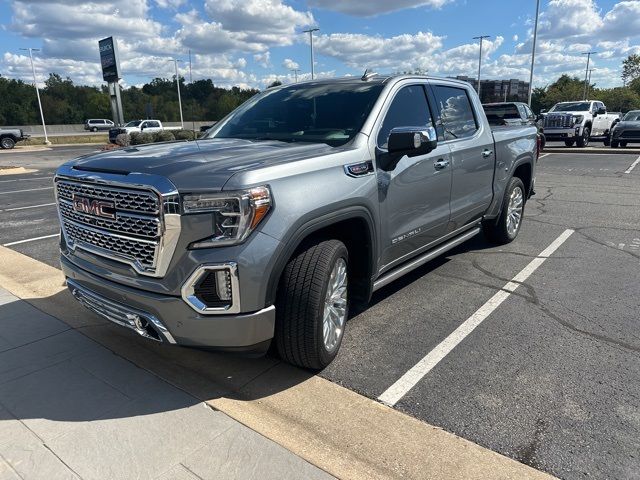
414 196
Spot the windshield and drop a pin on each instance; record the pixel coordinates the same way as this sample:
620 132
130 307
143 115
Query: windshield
318 113
633 116
571 107
134 123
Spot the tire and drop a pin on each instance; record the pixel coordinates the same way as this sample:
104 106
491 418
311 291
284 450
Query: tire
606 141
583 141
7 143
501 231
300 334
623 144
569 143
543 142
94 129
614 144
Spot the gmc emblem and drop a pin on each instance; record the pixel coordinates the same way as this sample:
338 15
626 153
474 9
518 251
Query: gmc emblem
91 206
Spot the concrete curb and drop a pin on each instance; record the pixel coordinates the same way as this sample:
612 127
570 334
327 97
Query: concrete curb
340 431
600 151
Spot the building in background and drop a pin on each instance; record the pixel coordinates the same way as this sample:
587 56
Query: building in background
512 90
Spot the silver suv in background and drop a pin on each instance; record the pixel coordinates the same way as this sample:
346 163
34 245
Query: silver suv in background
300 203
98 124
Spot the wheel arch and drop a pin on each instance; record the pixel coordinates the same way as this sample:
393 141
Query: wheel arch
354 226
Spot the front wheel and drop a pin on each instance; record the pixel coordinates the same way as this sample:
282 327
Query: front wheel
568 143
614 144
506 228
7 143
583 140
606 141
312 305
623 144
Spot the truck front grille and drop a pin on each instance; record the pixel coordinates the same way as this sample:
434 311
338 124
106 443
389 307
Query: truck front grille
558 121
118 223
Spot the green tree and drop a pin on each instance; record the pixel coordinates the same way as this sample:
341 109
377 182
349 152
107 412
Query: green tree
630 68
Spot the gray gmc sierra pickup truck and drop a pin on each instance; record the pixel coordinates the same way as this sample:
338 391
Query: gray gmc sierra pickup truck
304 200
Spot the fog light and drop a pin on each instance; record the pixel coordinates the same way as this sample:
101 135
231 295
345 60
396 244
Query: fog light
223 284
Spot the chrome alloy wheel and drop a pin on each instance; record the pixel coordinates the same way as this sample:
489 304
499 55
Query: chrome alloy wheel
514 210
335 306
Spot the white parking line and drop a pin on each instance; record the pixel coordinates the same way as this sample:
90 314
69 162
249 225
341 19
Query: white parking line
25 179
633 165
30 240
27 207
543 155
400 388
26 190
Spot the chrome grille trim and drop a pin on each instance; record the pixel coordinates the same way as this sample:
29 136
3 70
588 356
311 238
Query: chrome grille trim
125 223
558 121
128 239
133 201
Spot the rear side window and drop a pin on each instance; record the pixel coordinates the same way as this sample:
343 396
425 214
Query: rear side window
409 108
153 124
458 120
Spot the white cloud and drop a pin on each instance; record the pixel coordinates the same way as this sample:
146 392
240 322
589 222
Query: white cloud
374 7
290 64
263 59
170 3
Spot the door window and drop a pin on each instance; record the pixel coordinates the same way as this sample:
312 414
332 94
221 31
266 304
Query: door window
458 120
153 124
409 108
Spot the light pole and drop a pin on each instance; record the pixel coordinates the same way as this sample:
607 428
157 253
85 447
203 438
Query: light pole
295 72
586 72
589 82
310 32
481 38
533 51
35 84
175 63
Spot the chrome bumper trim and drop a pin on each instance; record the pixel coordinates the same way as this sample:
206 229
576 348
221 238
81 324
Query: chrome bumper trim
122 315
188 289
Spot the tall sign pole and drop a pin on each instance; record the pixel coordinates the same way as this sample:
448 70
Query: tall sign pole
175 63
533 51
481 38
111 74
35 84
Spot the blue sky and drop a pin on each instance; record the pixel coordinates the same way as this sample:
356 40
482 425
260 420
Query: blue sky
253 42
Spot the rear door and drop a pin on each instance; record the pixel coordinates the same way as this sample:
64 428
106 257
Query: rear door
472 151
415 195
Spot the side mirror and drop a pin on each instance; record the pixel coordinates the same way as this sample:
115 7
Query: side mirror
409 141
602 111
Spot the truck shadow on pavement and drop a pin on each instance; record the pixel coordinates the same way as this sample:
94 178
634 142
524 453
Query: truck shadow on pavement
59 362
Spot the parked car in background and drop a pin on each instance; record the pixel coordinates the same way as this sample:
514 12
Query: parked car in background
98 124
578 122
513 113
626 130
304 200
10 136
150 126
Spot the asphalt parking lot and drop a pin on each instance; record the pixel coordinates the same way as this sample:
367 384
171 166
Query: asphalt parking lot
549 377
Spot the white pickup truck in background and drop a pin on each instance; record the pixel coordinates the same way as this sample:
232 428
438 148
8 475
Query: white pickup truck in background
149 126
578 122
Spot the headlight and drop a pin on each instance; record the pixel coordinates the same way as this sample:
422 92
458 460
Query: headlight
578 118
234 214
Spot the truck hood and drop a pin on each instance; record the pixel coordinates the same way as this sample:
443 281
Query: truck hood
628 124
202 164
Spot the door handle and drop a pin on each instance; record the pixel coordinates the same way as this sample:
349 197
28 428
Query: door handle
487 153
440 164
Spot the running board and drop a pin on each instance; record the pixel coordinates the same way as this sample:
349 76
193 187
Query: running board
393 275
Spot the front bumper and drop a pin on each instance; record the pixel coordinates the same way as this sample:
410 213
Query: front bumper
562 133
167 316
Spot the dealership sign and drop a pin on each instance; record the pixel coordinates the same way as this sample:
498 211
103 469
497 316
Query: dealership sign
109 60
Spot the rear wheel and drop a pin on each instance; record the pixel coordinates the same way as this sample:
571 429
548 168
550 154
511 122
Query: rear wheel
94 129
583 140
623 144
312 305
569 143
7 143
614 144
506 228
606 141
